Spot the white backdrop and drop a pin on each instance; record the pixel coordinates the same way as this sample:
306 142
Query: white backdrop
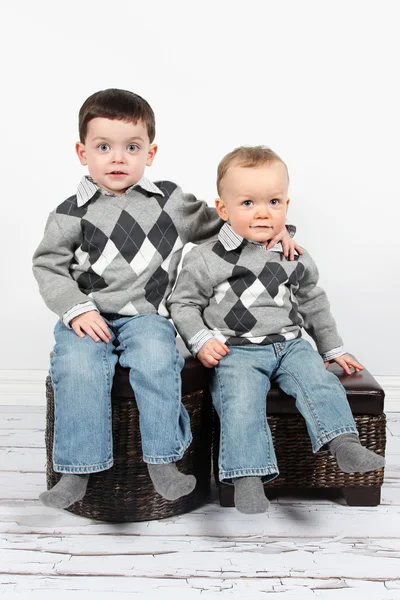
316 80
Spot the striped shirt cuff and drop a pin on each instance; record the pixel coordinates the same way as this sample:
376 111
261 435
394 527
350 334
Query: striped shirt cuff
77 310
197 341
334 353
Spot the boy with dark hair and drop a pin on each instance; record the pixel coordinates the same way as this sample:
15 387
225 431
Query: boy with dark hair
106 265
240 308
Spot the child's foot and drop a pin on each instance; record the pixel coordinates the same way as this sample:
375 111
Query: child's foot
70 489
352 457
170 483
249 495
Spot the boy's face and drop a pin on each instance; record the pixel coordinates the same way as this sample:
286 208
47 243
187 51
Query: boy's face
255 200
116 153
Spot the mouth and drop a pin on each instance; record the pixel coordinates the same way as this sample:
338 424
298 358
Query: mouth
116 173
260 227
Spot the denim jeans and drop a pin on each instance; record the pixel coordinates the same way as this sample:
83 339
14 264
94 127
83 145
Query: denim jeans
239 386
82 374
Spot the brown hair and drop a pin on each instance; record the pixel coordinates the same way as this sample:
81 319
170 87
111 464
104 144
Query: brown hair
248 157
116 104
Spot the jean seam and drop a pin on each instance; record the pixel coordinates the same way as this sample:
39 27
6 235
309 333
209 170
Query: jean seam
250 472
221 419
177 401
267 429
305 397
107 361
83 468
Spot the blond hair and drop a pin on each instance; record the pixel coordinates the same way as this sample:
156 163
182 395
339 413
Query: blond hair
248 157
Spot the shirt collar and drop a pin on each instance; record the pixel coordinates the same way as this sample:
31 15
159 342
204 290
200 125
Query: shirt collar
88 188
232 240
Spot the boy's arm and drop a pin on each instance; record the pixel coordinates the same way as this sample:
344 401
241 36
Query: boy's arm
197 220
51 264
191 295
314 308
319 323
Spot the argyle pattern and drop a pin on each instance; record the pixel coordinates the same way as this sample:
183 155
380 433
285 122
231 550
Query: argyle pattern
128 247
243 294
123 252
248 287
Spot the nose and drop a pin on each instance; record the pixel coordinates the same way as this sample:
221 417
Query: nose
262 211
117 156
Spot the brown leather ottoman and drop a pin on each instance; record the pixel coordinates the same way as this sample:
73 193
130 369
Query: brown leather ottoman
125 492
298 466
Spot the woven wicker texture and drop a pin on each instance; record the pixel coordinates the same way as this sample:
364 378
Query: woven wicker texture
125 493
299 467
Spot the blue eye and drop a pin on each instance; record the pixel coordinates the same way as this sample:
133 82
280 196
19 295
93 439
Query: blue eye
103 147
274 201
132 148
248 203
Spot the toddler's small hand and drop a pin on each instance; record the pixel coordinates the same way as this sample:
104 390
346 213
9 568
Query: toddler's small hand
93 324
346 362
212 352
288 244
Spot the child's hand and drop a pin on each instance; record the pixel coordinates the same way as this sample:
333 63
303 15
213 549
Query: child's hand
346 362
212 352
288 244
92 323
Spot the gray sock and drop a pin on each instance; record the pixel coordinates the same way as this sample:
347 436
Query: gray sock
70 489
170 483
352 457
249 495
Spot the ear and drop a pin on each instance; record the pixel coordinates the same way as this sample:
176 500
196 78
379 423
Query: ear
151 154
81 152
221 209
287 204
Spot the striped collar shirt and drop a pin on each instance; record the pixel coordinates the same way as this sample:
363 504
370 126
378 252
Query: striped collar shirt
88 188
232 240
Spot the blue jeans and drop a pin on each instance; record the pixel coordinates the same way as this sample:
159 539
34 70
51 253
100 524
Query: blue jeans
82 374
239 387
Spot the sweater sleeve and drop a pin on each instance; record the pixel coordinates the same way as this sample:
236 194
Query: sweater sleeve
51 268
314 308
190 297
200 221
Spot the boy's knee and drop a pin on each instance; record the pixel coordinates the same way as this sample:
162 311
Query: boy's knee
81 353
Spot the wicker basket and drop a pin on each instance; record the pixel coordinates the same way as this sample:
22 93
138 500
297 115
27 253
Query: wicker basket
299 467
125 492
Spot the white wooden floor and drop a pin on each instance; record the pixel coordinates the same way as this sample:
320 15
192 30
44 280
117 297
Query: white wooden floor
302 548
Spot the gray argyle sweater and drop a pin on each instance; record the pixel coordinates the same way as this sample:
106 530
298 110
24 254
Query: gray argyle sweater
242 294
118 254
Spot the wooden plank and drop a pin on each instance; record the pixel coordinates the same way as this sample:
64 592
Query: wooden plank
298 520
393 446
20 420
6 409
393 426
104 588
23 459
135 545
21 485
22 438
334 560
